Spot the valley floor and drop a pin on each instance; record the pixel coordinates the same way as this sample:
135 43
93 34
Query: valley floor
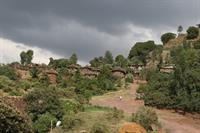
171 122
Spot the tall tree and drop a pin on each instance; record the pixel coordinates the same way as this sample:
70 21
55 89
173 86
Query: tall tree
108 57
26 57
180 29
73 59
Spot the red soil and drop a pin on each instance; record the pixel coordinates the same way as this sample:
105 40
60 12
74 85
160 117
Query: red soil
171 121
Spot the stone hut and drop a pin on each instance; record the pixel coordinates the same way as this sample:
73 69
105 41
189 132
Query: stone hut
52 74
119 72
168 68
89 72
73 68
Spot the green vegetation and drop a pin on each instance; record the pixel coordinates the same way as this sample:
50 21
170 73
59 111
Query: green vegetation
141 50
26 57
146 117
12 121
192 32
165 38
8 72
178 90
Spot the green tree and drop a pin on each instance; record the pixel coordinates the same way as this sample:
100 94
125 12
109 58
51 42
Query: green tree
26 57
73 59
29 56
11 121
34 72
121 61
146 117
23 57
41 101
108 57
8 72
192 32
165 38
180 29
43 124
141 50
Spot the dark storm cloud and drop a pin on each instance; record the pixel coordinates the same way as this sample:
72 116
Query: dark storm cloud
89 27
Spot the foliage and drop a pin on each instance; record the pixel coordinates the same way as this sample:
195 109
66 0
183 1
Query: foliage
8 71
97 62
12 121
141 49
43 124
180 29
34 72
108 57
115 114
73 59
41 101
100 127
146 117
26 57
129 78
178 90
121 61
192 32
165 38
70 121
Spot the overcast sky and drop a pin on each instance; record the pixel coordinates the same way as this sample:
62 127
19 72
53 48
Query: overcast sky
58 28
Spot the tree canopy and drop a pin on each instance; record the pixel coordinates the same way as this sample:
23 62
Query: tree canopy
165 38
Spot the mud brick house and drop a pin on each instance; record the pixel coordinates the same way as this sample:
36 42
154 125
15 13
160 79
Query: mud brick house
73 68
168 68
52 74
119 72
137 67
89 72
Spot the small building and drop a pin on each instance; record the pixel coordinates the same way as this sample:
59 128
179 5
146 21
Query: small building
168 68
52 75
119 72
73 68
89 72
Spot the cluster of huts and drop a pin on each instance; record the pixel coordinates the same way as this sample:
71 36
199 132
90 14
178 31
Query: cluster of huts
24 71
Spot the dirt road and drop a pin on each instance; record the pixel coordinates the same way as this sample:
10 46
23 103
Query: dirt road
171 122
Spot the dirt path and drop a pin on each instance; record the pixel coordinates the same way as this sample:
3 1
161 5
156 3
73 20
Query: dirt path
172 122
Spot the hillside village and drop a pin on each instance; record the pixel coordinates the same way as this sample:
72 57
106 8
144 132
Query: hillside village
167 76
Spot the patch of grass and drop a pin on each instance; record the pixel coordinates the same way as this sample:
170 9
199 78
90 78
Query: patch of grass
90 108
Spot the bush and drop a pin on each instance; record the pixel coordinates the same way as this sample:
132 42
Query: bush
165 38
43 124
146 117
70 107
41 101
100 127
11 121
70 121
129 78
192 32
115 114
8 72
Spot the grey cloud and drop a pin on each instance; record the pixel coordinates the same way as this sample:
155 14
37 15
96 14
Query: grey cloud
89 27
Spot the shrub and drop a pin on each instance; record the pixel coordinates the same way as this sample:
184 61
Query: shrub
146 117
11 121
8 72
100 127
165 38
115 114
43 124
41 101
192 32
70 121
129 78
